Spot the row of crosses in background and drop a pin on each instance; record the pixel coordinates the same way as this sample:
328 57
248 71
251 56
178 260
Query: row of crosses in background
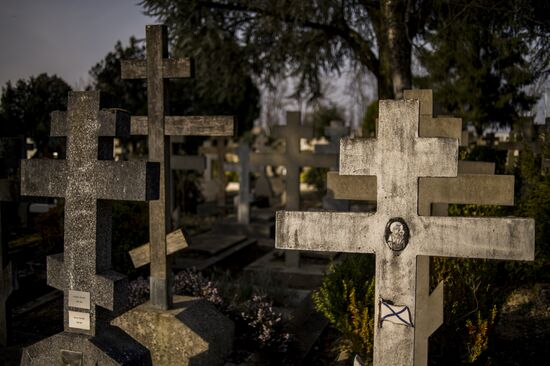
400 236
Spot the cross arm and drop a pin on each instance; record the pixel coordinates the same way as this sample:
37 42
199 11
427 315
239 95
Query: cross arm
468 237
127 180
175 241
109 288
172 68
465 189
113 122
352 187
318 160
188 125
44 178
274 159
188 162
326 231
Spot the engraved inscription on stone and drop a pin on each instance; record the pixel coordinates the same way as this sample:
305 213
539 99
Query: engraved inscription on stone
71 358
397 234
78 320
79 299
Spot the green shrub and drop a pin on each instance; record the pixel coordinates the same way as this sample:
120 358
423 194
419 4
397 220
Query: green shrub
346 299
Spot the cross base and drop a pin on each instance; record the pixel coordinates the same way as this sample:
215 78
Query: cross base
112 348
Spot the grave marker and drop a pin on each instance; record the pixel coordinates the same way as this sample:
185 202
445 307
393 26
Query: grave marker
179 162
87 183
396 233
157 69
243 169
8 193
88 180
473 185
293 160
335 131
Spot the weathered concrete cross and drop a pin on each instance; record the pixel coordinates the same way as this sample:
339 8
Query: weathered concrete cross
83 271
158 127
293 160
396 233
243 169
474 184
8 193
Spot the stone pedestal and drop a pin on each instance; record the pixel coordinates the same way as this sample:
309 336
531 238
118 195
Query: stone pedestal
193 332
112 348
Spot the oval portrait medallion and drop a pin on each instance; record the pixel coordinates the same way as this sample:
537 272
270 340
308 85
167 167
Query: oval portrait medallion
397 234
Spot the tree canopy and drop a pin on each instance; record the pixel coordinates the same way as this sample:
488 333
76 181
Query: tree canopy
198 95
485 50
300 38
26 106
483 56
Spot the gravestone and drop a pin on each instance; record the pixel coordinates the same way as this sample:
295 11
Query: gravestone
181 162
214 183
335 131
165 311
474 184
158 127
293 160
8 193
243 169
396 233
88 180
525 135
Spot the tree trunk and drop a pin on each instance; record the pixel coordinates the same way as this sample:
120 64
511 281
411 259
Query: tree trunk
394 49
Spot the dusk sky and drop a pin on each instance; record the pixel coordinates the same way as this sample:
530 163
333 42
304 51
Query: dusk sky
63 37
68 37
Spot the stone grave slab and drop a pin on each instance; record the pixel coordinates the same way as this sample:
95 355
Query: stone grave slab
396 233
83 271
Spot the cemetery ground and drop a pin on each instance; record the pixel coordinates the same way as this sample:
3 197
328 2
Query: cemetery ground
519 337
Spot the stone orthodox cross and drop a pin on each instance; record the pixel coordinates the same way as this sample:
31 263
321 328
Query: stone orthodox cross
396 233
157 69
474 184
83 271
293 160
8 193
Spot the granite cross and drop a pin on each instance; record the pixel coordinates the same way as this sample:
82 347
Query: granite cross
8 193
158 127
396 233
87 179
243 169
293 159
